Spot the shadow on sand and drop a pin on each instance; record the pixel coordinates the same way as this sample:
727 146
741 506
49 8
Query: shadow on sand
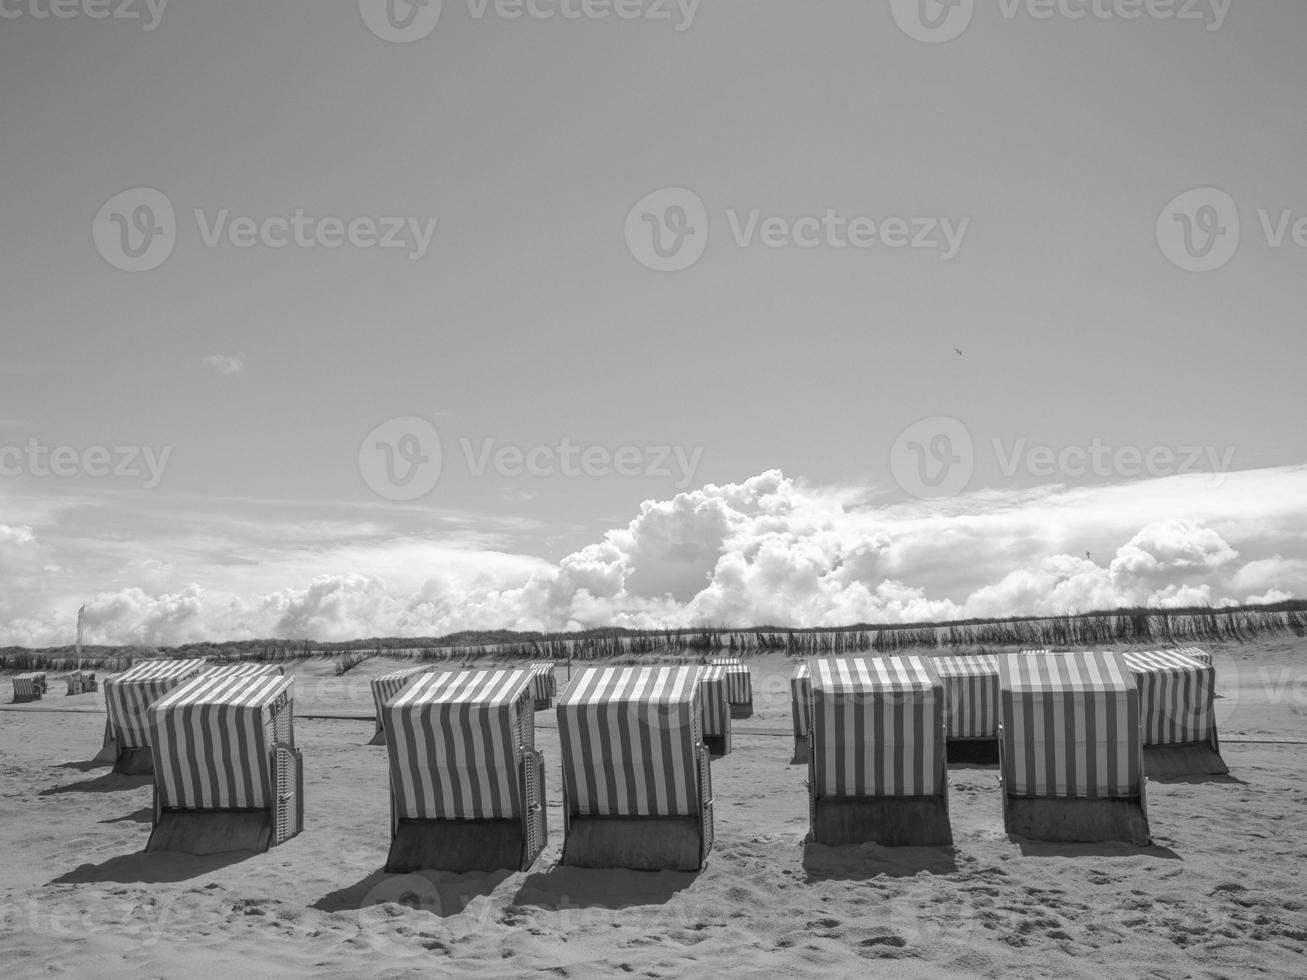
152 868
859 862
563 887
1031 848
110 782
441 893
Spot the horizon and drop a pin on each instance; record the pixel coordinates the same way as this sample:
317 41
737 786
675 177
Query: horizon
324 326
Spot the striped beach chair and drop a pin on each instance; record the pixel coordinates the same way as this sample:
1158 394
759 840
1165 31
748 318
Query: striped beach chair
543 685
970 706
876 766
227 775
127 699
467 786
739 685
715 723
75 681
243 670
800 696
1196 653
386 687
1177 696
29 687
1071 748
637 785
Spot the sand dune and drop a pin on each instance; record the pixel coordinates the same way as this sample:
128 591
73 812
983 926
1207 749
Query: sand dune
1221 892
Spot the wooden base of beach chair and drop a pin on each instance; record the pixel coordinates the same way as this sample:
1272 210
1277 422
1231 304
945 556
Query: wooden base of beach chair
973 751
202 832
134 762
801 750
1186 759
638 843
1077 821
457 845
906 821
543 704
743 709
718 745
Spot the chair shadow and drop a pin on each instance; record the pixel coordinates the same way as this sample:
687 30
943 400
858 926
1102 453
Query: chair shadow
151 868
1198 779
86 766
859 862
144 815
1031 848
110 782
563 887
441 893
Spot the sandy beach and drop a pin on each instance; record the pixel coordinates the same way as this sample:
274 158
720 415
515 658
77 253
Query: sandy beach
1220 893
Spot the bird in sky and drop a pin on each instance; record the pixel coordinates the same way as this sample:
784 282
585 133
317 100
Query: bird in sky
958 351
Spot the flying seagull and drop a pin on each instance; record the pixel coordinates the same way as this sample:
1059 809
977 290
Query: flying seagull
957 351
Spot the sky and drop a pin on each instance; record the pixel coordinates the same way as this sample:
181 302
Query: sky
332 320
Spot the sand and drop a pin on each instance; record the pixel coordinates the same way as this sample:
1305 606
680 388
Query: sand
1221 893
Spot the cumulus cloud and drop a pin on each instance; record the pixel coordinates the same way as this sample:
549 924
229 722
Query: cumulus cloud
767 550
226 363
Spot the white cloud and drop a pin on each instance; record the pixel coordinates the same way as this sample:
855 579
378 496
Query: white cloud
768 550
226 363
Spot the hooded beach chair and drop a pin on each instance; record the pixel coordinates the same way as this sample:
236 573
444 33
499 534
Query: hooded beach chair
227 775
1071 748
716 721
75 681
467 786
800 696
386 687
544 687
1196 653
637 785
876 768
971 706
739 685
1177 696
29 687
127 699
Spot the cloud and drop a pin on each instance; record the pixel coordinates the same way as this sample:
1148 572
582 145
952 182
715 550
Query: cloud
226 363
767 550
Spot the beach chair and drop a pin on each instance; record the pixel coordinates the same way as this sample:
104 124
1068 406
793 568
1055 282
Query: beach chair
715 723
1196 653
739 686
544 685
74 680
1177 697
637 784
29 687
467 786
386 687
127 699
800 696
1071 748
876 771
971 707
227 775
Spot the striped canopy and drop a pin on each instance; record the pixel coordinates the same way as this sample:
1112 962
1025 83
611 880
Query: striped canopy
800 695
128 696
387 686
243 670
29 686
970 694
1071 726
1177 695
544 684
455 742
877 727
713 697
1196 653
739 682
212 740
629 739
